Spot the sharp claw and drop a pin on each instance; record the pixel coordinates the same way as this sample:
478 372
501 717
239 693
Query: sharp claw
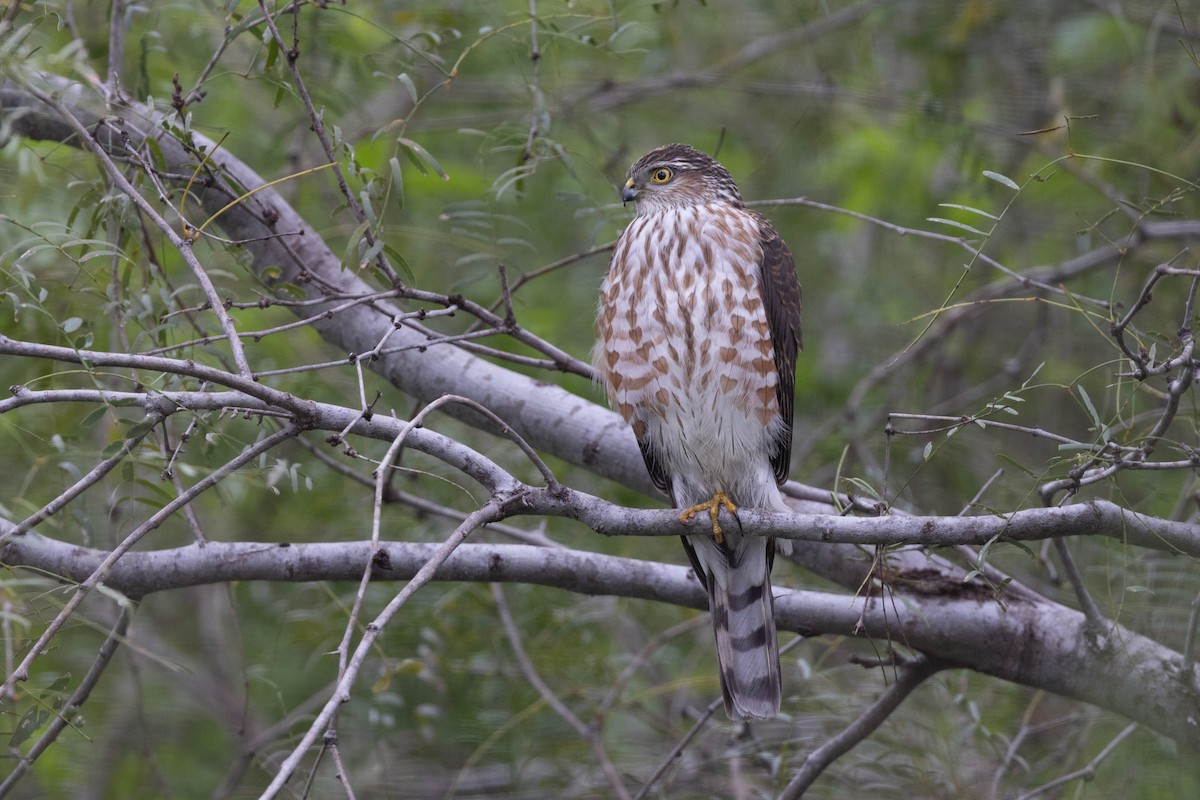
713 507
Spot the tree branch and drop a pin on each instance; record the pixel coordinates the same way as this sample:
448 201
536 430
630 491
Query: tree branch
911 675
287 250
1039 644
420 576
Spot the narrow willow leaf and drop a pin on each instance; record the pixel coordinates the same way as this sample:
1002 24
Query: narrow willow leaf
1034 375
397 181
1014 463
409 85
980 212
1101 428
954 224
998 178
865 488
93 416
419 154
400 263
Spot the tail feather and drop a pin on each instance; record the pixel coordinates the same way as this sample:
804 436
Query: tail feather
739 596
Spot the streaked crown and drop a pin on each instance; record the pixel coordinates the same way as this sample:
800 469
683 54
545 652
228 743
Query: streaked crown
677 175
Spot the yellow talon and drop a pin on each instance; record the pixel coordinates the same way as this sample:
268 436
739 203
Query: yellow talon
713 507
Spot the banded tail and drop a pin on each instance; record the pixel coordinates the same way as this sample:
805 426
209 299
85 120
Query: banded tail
738 578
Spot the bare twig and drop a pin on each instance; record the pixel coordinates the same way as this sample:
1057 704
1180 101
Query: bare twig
425 506
490 512
182 245
73 705
996 578
535 86
1140 359
679 747
911 675
261 738
116 47
589 734
1014 744
258 336
94 475
292 56
340 771
643 655
553 266
551 482
1087 772
1097 624
101 571
698 725
562 359
1187 669
1109 457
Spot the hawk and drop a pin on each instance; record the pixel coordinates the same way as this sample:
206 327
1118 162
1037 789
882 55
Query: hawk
698 329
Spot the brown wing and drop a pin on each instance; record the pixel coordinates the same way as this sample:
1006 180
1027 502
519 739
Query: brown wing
658 473
781 298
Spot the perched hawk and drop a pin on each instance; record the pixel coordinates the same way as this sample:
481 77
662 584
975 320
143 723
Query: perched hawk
698 329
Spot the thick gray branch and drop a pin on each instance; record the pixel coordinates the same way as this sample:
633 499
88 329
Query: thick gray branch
1096 518
1036 644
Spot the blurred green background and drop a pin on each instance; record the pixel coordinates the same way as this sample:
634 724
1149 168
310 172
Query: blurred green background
886 109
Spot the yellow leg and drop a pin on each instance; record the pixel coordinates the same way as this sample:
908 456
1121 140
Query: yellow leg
713 507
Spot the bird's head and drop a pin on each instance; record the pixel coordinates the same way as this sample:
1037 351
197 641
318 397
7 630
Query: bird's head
675 176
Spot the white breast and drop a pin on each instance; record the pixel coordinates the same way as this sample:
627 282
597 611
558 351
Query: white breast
685 349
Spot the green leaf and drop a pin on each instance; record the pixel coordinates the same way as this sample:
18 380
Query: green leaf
1018 465
421 157
865 488
962 225
1002 179
272 49
28 724
93 417
1033 375
352 243
141 428
400 263
970 209
1099 426
410 86
156 154
397 181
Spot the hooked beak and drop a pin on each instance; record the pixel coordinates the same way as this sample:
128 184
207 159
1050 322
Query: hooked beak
628 193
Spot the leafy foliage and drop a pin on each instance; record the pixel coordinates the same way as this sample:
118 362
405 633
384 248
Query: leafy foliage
979 196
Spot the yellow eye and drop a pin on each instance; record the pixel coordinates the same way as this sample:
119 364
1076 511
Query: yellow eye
660 175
